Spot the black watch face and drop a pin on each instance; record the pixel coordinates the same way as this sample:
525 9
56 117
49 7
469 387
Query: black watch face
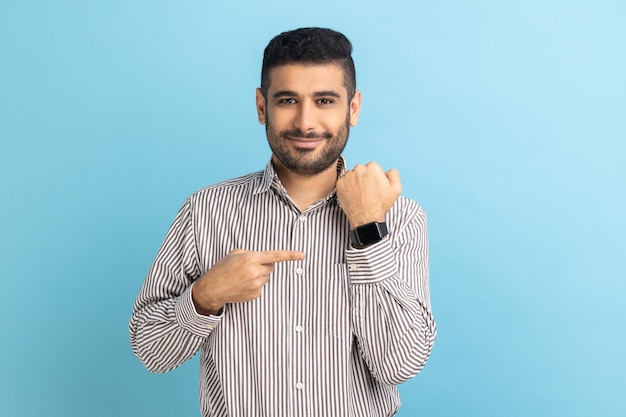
369 234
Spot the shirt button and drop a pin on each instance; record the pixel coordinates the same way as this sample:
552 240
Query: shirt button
209 326
302 218
299 385
353 266
299 271
299 328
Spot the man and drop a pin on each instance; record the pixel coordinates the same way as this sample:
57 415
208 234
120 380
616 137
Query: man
304 285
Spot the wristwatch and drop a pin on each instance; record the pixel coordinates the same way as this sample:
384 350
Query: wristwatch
368 233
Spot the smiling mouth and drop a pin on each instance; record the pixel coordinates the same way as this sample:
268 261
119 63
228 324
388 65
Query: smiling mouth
305 143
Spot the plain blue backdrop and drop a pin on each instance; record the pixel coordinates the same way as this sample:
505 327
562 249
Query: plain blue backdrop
505 119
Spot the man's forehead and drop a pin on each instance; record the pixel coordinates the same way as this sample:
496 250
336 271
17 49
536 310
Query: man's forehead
308 77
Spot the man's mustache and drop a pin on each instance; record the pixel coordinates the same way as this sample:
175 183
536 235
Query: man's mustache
297 133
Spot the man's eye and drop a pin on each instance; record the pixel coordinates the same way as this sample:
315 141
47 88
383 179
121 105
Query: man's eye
288 101
325 101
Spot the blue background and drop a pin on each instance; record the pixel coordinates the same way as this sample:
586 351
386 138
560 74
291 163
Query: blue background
505 119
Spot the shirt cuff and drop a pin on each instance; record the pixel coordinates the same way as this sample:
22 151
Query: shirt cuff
372 264
189 319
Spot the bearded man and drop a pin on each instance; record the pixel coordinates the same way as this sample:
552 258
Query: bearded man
305 285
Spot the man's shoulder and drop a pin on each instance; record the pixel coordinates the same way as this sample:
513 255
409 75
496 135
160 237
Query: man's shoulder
408 203
238 185
407 208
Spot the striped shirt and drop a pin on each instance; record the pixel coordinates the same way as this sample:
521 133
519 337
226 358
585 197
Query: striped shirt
330 335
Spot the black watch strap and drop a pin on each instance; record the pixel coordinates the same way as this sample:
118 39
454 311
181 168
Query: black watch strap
368 233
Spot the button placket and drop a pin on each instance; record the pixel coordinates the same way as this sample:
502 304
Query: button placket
299 336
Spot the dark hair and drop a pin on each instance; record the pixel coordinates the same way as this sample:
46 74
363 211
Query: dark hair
315 46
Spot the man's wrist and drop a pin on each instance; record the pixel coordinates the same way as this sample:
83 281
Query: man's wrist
360 221
205 309
368 234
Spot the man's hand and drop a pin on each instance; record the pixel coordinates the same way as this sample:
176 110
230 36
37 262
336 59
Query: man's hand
236 278
367 193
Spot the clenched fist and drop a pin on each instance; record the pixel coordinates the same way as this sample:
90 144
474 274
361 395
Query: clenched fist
367 193
237 277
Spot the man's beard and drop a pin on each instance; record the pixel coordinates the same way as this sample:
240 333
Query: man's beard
301 161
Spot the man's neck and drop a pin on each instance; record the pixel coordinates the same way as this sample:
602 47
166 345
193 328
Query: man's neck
305 190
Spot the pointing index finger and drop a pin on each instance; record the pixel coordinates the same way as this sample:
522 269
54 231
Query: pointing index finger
273 256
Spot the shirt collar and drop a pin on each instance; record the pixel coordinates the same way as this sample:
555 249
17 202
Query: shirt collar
270 177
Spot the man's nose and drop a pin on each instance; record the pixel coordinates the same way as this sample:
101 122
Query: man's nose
306 118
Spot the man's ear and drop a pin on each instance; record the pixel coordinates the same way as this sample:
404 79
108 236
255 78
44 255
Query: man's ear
260 106
355 108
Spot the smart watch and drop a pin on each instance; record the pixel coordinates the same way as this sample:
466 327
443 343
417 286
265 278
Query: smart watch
368 233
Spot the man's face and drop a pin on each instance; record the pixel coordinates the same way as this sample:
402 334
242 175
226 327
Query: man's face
307 116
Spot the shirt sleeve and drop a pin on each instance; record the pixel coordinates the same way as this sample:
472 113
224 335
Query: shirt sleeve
165 329
391 312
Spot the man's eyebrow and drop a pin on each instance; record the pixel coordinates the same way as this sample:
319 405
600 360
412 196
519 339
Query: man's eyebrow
327 93
290 93
284 93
